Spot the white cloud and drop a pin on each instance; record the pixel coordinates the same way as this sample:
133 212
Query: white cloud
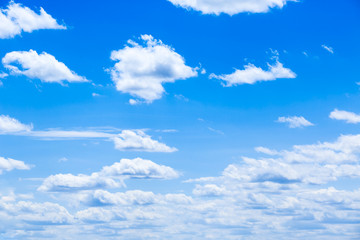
40 66
109 177
126 140
230 7
11 164
12 125
208 190
17 18
327 48
142 69
349 117
295 122
252 74
139 141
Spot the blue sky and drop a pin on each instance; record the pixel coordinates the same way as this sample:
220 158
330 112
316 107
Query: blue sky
179 119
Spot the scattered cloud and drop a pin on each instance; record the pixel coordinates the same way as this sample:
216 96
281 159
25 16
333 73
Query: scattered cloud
8 164
126 140
12 125
252 74
141 69
17 18
39 66
230 7
348 117
109 177
295 122
327 48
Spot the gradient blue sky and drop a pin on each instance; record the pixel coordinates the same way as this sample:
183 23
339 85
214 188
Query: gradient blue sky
212 126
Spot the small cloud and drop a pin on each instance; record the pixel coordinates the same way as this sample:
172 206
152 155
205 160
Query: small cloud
295 122
327 48
63 159
348 117
95 95
216 131
181 97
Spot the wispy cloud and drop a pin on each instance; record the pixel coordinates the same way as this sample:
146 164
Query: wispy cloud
348 117
295 121
328 48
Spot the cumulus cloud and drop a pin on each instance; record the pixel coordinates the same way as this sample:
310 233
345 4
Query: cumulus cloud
139 141
327 48
16 19
126 140
295 122
348 117
39 66
252 74
230 7
8 164
12 125
109 177
142 69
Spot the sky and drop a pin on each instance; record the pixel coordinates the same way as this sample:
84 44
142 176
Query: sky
180 119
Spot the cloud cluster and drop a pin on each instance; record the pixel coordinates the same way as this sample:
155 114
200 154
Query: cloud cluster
295 121
109 177
230 7
39 66
142 69
16 19
252 74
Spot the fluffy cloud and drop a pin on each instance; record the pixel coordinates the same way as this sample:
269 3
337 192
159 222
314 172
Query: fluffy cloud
126 140
230 7
40 66
12 125
139 141
11 164
349 117
16 19
110 176
143 68
252 74
295 122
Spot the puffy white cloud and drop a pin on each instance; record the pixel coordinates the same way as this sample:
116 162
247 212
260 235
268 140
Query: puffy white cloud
143 68
8 164
295 121
17 18
349 117
136 197
109 177
40 66
139 168
139 141
230 7
208 190
12 125
327 48
252 74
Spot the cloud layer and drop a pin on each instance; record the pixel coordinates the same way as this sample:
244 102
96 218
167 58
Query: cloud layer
230 7
16 19
141 69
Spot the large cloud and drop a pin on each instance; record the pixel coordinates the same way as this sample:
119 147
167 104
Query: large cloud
16 19
230 7
143 68
40 66
252 74
110 176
